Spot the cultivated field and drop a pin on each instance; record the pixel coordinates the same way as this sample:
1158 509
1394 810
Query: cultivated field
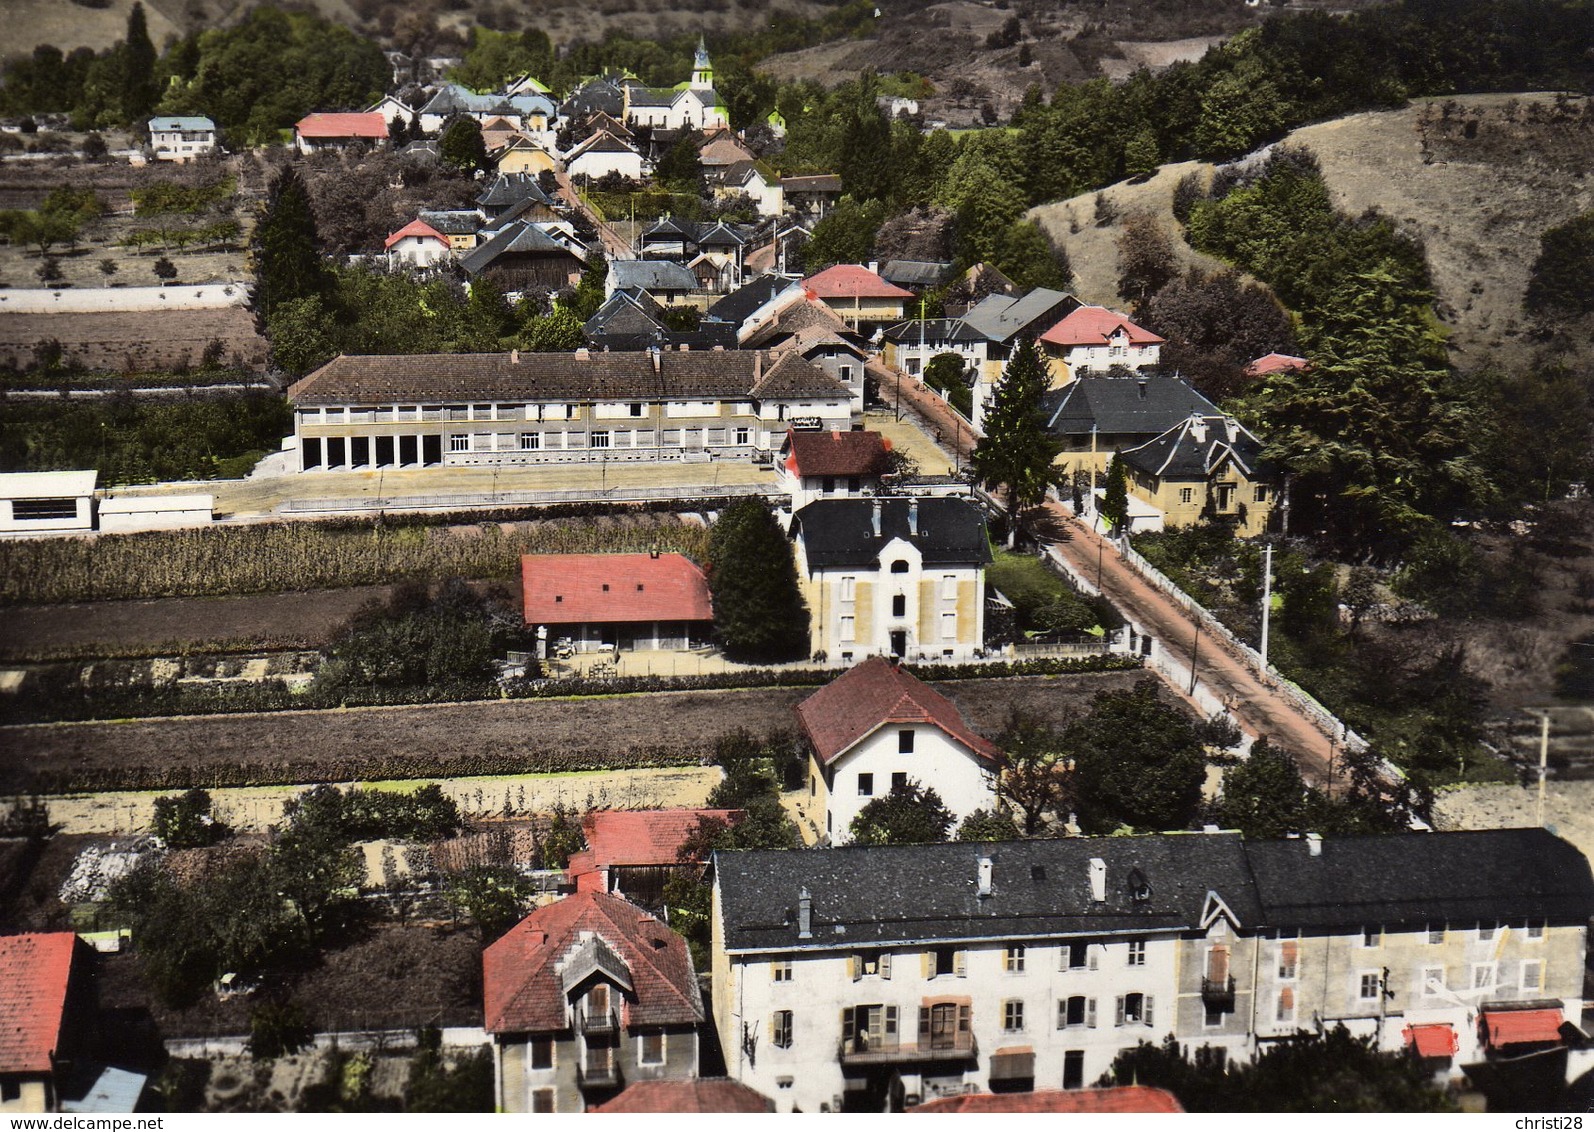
451 739
130 341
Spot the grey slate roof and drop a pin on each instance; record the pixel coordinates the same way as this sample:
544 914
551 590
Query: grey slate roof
933 330
742 302
928 893
1143 406
841 532
512 188
520 238
455 222
652 275
633 319
903 894
1002 319
425 379
915 273
1183 452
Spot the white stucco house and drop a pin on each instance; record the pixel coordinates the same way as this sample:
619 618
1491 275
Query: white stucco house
877 728
181 138
47 501
417 244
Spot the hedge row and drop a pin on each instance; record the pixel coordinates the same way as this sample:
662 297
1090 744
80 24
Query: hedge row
60 705
173 776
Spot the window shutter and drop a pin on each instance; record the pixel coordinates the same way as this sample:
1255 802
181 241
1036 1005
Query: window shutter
960 964
772 1018
926 963
1149 1016
846 1024
963 1019
1091 950
885 964
1218 964
852 967
924 1024
1120 1010
1090 1013
891 1021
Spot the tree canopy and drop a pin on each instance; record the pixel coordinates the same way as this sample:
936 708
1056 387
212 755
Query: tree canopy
285 248
759 614
911 814
1137 762
1016 452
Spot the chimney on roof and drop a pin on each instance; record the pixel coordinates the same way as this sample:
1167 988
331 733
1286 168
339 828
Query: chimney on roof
984 876
1141 383
875 522
913 516
1314 844
1198 428
1098 880
653 356
583 354
805 915
758 366
1232 427
514 357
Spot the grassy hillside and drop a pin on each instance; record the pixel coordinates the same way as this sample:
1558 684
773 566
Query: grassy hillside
1477 178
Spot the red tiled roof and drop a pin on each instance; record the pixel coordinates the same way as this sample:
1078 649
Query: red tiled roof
34 972
1274 363
1094 326
1125 1098
837 453
342 126
1433 1040
643 837
565 589
705 1094
1511 1027
848 280
873 694
415 228
522 991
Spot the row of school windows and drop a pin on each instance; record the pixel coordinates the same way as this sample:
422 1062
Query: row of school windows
875 1025
600 439
849 583
555 411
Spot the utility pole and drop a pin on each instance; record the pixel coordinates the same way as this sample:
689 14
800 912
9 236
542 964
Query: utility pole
1267 596
1195 653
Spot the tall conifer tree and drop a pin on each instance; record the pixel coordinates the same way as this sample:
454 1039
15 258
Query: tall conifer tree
758 609
1016 452
286 248
139 92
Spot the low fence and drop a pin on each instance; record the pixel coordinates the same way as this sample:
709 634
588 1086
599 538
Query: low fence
1323 719
1023 650
469 501
236 1045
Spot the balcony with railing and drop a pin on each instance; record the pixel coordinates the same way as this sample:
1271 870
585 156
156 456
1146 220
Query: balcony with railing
1218 994
597 1021
866 1050
594 1072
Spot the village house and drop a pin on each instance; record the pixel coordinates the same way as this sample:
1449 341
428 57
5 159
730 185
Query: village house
748 179
1269 364
876 728
812 196
417 245
666 282
813 331
616 602
635 853
530 111
863 978
316 132
44 1006
858 295
390 411
181 138
1114 1099
521 255
392 109
584 997
900 577
603 155
832 465
521 154
752 305
1089 341
630 319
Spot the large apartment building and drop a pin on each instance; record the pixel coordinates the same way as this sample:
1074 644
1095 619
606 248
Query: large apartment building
866 978
415 411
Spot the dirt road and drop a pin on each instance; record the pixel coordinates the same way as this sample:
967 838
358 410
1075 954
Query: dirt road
1258 708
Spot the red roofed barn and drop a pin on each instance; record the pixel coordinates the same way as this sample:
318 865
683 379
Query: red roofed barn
876 727
322 131
39 1008
618 601
827 464
632 853
584 997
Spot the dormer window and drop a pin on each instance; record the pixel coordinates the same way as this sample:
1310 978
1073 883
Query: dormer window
900 566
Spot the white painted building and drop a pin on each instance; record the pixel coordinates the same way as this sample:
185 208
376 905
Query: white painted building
181 138
876 729
47 501
156 512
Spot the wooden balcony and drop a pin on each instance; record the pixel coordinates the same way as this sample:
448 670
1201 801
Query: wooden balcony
1218 994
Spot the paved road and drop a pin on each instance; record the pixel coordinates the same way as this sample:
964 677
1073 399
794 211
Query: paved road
1258 708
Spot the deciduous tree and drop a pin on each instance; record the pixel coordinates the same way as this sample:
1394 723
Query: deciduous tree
912 814
1137 763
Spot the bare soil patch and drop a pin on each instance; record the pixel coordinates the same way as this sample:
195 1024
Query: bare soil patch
319 746
130 340
122 628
